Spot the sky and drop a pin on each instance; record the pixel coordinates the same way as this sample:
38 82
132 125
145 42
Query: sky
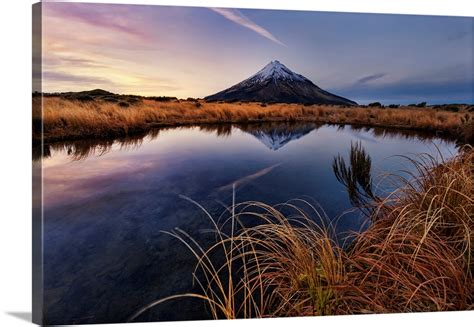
195 52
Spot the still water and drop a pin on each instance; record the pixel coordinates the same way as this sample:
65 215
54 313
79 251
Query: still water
107 202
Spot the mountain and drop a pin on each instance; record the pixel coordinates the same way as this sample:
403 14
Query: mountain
275 136
277 83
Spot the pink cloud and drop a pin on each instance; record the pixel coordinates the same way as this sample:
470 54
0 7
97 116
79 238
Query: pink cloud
112 17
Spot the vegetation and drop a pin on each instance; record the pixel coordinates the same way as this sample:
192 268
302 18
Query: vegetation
416 254
421 105
100 114
356 176
375 104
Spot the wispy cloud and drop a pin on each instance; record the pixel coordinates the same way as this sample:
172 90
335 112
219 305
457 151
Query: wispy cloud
66 77
237 17
371 78
53 60
111 17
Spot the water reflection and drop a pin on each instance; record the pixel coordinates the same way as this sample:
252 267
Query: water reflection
274 135
107 201
356 176
221 130
82 149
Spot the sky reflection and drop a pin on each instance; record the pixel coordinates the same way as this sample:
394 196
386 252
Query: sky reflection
70 178
105 254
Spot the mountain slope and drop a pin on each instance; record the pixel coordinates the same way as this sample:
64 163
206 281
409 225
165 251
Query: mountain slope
277 83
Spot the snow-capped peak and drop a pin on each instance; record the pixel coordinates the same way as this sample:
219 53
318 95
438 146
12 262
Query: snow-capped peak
276 70
277 83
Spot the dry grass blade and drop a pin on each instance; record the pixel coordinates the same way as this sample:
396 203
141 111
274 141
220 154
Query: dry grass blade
415 256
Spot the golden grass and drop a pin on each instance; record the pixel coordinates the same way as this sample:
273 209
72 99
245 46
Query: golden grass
72 119
416 255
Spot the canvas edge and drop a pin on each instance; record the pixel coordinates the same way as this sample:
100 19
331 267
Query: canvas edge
37 178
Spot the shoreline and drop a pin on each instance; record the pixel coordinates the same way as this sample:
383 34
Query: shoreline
145 130
69 120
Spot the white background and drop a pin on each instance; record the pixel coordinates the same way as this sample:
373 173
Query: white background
15 138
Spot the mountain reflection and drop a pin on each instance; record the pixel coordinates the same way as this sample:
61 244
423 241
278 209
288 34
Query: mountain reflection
274 135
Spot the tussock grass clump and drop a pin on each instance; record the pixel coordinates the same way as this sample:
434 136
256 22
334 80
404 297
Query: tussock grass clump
418 252
416 255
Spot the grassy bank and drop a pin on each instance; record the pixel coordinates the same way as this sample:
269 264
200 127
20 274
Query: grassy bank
416 255
68 119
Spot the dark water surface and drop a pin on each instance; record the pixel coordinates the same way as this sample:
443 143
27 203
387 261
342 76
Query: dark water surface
106 203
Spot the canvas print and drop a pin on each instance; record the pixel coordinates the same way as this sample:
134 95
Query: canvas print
219 163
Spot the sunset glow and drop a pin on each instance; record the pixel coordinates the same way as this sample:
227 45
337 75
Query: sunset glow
194 52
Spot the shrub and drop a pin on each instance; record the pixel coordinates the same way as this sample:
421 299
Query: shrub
133 99
466 130
110 99
375 104
84 98
452 107
421 105
163 98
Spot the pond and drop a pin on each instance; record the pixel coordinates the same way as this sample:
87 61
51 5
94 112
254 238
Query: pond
106 203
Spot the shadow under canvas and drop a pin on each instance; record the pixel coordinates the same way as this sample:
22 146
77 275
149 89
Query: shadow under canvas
22 315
